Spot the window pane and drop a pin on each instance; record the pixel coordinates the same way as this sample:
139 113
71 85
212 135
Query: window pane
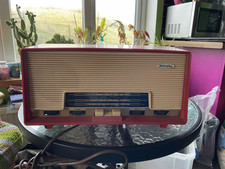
122 10
52 16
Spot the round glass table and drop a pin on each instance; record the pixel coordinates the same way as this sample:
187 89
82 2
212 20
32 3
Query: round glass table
138 142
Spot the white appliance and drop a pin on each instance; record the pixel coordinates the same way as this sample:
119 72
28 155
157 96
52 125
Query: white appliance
195 20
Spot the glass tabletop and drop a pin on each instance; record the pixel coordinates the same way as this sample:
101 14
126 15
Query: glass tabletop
138 142
121 135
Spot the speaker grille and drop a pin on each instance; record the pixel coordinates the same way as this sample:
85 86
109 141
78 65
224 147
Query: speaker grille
51 74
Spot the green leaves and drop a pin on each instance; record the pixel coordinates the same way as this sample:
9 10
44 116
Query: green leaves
8 23
23 25
18 11
57 38
99 31
78 30
15 32
85 33
35 39
80 35
22 36
102 25
160 42
20 44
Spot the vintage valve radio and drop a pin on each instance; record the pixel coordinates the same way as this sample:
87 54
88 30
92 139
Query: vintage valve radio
105 85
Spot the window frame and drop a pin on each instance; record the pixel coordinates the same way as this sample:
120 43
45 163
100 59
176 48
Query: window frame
88 17
2 52
8 45
145 19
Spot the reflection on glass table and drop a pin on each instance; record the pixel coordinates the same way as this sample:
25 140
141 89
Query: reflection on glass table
138 142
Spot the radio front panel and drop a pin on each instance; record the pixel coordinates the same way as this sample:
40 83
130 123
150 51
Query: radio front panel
105 85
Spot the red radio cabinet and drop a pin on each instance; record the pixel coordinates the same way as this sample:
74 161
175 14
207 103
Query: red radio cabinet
68 85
